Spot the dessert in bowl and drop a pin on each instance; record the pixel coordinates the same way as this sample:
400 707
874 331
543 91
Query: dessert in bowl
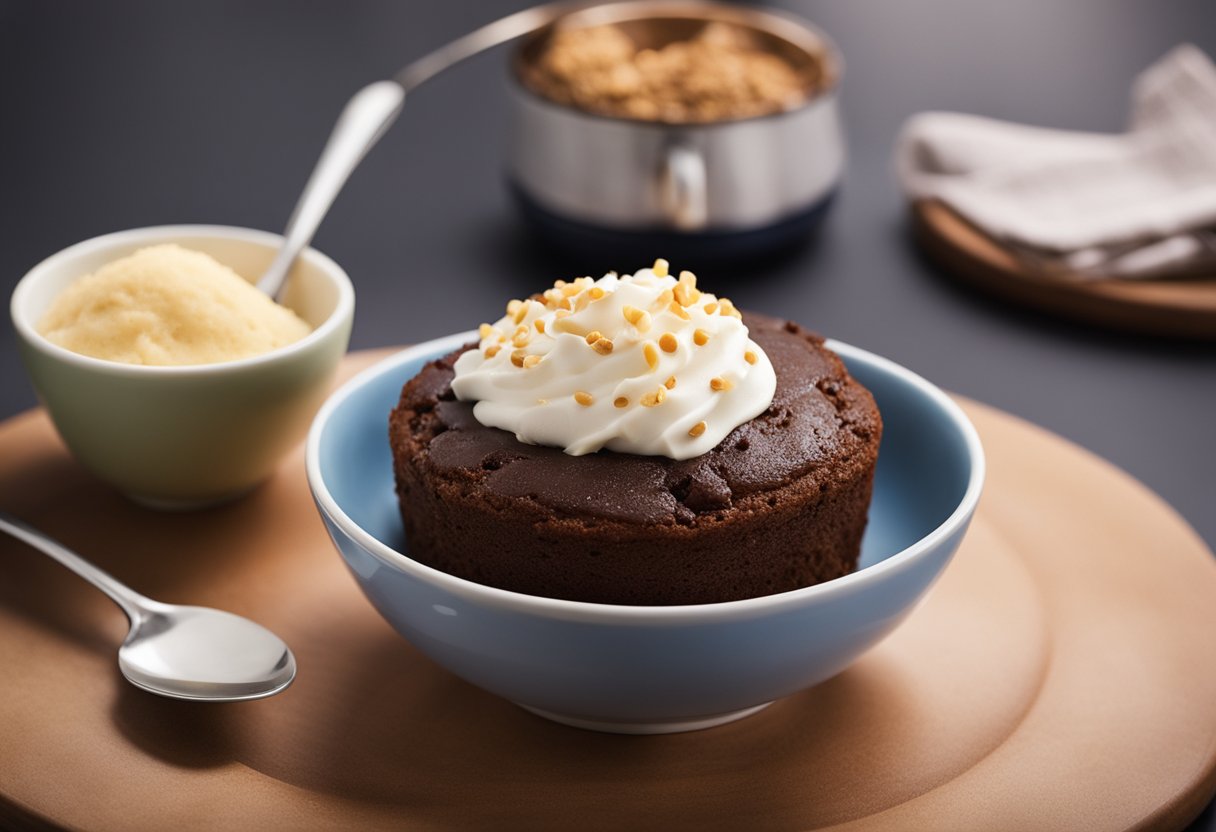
652 667
636 441
164 373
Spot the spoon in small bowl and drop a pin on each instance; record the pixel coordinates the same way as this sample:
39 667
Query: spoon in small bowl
182 652
368 115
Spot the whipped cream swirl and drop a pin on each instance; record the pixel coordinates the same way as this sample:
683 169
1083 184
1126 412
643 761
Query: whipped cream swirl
642 364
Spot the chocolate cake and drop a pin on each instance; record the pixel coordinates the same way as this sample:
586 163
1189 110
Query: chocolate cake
779 504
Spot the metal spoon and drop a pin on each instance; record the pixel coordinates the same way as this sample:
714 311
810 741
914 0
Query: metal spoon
194 653
368 115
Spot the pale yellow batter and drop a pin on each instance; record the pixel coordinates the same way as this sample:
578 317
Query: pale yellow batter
168 305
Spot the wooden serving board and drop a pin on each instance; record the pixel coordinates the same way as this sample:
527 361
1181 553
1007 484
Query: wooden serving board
1059 676
1181 308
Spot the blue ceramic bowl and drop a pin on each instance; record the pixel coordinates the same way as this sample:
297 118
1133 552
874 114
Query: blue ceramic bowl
652 669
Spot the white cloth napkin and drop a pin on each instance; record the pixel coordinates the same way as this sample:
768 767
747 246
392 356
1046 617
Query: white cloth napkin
1137 204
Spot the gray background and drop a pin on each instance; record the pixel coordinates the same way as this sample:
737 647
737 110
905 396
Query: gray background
123 114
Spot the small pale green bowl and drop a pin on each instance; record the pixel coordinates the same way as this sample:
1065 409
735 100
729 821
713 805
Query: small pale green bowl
187 437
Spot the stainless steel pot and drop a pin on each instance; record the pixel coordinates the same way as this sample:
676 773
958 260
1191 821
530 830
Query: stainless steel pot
678 180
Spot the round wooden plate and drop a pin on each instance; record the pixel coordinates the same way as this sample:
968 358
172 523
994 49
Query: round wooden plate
1059 676
1184 308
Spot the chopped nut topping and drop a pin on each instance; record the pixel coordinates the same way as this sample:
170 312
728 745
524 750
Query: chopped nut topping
640 318
667 342
517 357
660 267
599 343
514 306
677 310
620 401
651 354
521 337
531 361
595 292
710 308
485 331
700 337
584 398
697 429
492 350
719 384
686 290
670 383
749 357
654 399
540 325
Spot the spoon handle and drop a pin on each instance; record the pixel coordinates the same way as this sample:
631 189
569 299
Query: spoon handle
369 114
363 121
132 603
482 38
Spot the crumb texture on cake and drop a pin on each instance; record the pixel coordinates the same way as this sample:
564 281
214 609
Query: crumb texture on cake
780 503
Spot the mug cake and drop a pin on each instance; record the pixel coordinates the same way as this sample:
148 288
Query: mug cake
635 440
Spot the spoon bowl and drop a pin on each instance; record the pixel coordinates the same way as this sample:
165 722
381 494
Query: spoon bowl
200 653
182 652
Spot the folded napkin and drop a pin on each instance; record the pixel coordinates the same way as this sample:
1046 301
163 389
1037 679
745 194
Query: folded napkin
1137 204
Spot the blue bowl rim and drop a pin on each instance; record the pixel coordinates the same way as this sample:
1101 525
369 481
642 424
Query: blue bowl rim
588 612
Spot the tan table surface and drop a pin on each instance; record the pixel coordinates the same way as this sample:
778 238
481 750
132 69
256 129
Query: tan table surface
1059 676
